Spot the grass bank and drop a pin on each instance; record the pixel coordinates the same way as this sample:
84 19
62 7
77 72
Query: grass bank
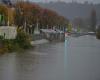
22 42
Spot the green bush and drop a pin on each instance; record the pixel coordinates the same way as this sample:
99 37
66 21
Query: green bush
8 44
23 40
1 38
98 33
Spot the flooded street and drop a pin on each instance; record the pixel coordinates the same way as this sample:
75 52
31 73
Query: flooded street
76 59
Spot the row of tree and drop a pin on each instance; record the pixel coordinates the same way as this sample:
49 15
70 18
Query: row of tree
26 13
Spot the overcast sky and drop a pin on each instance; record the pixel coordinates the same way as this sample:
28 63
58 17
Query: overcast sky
94 1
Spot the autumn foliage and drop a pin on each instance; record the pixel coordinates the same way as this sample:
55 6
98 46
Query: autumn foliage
30 13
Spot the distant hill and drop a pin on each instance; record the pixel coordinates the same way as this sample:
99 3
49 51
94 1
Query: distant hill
72 10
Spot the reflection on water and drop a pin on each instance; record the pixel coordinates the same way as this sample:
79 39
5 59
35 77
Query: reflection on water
83 59
7 67
42 63
46 61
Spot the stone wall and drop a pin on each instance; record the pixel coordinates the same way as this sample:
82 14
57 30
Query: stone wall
52 35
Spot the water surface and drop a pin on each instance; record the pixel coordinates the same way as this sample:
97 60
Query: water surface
78 60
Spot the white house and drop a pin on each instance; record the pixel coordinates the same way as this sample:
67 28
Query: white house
8 32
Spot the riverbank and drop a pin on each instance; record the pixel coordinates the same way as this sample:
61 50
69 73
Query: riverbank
21 42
